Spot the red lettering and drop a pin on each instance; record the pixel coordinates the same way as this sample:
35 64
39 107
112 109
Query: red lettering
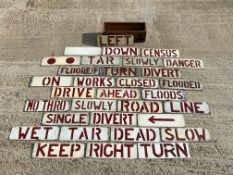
23 134
106 154
177 136
34 133
120 150
197 107
40 149
72 132
169 148
172 108
47 131
168 132
32 105
127 134
51 149
62 150
145 146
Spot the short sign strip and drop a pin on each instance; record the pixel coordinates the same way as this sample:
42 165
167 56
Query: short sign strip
149 52
162 94
184 134
51 81
84 134
118 93
163 150
137 82
180 84
130 134
77 70
94 81
101 60
115 40
68 118
34 133
73 92
120 71
183 63
160 72
111 150
142 61
140 106
109 118
46 105
93 105
186 107
161 120
121 51
82 51
60 60
58 150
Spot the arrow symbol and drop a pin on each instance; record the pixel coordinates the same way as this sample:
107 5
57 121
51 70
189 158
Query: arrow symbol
152 119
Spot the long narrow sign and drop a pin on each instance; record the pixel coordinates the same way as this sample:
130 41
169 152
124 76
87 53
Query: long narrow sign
58 150
73 92
186 107
140 106
142 61
61 60
47 81
137 82
183 63
128 134
109 118
34 133
68 118
161 120
180 84
46 105
184 134
162 94
163 150
101 60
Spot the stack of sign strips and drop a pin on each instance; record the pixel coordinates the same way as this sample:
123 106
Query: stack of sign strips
115 102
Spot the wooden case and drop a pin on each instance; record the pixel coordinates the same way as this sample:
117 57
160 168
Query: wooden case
138 29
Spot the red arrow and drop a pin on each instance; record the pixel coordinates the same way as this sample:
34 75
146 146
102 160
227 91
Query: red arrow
152 119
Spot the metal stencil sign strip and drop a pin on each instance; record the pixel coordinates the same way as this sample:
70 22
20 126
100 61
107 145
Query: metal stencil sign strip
111 150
